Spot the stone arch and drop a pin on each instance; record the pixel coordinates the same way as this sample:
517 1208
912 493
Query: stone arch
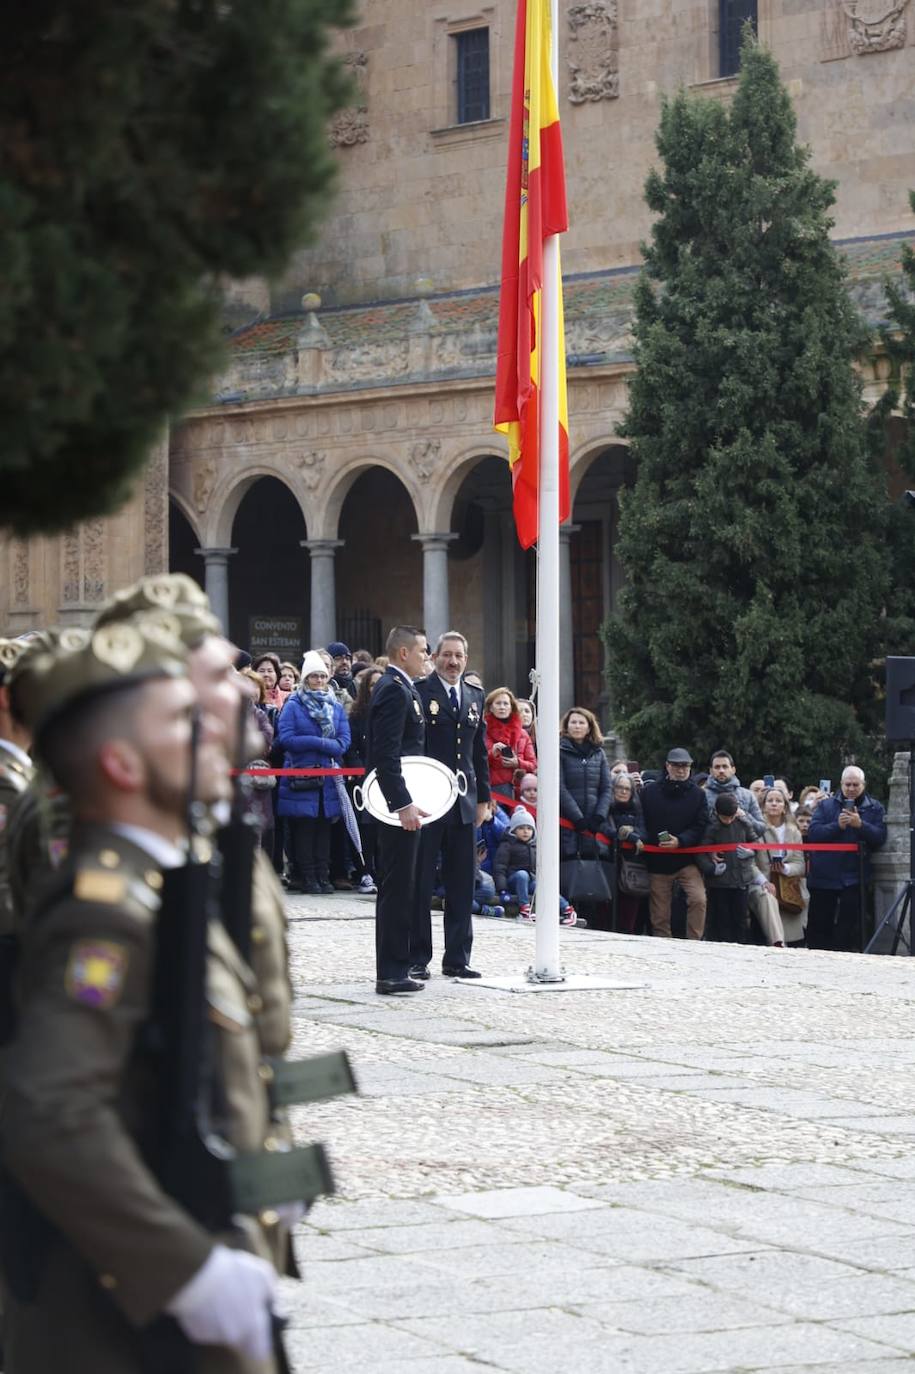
452 475
183 540
378 565
228 495
587 453
344 478
183 506
268 568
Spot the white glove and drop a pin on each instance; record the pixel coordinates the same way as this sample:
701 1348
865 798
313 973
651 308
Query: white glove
228 1302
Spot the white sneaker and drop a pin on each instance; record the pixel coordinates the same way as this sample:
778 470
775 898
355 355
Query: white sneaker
367 883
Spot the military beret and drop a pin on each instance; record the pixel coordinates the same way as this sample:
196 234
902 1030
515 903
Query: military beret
174 593
87 663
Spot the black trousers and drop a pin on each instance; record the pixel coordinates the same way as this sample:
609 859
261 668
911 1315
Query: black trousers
310 847
398 859
727 915
456 842
833 920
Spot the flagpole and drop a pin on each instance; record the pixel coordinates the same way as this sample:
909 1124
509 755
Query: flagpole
547 968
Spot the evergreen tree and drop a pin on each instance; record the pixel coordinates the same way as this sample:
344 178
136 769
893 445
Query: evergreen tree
751 539
146 150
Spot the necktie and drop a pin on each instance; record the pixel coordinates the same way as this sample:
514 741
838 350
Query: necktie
454 701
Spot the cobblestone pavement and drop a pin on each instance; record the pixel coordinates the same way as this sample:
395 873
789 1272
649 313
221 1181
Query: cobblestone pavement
712 1169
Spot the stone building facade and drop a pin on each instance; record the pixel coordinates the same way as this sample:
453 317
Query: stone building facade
345 473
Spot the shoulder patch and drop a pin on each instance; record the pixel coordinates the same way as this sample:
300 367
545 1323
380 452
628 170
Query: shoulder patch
95 973
100 885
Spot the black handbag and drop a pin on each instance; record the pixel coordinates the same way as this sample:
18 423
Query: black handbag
587 880
305 784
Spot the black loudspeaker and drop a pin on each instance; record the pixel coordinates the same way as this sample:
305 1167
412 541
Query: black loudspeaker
900 699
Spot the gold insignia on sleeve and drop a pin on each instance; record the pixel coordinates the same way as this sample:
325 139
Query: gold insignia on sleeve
100 885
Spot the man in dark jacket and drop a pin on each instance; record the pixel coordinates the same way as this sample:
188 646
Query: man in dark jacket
834 880
675 812
396 729
453 712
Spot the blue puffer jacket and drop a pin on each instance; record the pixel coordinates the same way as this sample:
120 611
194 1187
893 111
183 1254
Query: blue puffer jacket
305 747
835 871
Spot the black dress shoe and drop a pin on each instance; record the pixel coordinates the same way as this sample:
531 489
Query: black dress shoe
420 971
460 971
387 986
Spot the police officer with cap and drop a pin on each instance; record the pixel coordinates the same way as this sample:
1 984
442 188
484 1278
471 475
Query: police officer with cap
101 1250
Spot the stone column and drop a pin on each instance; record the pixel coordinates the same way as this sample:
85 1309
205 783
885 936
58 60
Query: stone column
216 581
436 613
566 643
323 628
891 863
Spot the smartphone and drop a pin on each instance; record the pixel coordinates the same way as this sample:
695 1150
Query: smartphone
664 835
769 779
848 804
825 785
633 766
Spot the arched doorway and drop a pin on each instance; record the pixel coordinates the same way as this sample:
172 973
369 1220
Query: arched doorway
379 569
268 575
492 578
595 572
182 544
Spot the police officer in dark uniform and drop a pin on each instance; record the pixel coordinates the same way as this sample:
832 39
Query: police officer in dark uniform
396 729
454 735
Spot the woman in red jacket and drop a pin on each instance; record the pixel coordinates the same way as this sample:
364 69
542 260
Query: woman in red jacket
508 744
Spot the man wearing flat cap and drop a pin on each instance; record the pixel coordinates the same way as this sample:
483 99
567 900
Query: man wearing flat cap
675 813
93 1248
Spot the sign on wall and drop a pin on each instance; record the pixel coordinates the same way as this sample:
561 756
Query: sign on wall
279 634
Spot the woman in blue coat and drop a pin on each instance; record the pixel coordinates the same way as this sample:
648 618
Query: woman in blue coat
314 733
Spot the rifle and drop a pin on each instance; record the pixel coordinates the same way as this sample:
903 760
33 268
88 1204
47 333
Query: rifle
237 844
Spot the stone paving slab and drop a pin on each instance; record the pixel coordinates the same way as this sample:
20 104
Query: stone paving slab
711 1172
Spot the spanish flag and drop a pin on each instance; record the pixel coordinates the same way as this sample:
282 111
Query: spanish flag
535 208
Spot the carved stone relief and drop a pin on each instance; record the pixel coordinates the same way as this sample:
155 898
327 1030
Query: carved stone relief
204 482
351 124
425 457
155 512
95 560
21 572
593 51
366 360
71 573
311 468
875 25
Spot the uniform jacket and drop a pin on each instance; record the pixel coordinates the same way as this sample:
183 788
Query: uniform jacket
511 856
396 729
77 1111
457 741
15 777
513 733
835 871
681 809
584 790
305 747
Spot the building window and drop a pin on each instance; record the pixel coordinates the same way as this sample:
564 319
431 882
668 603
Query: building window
732 15
472 75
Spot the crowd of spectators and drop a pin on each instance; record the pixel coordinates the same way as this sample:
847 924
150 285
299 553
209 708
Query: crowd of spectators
642 824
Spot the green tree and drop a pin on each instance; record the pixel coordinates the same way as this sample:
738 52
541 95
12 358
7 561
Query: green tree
147 149
751 539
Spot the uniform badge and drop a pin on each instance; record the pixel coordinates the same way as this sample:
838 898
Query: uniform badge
95 973
118 646
473 715
433 708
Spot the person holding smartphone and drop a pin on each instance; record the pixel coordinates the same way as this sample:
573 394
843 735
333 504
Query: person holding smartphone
675 811
508 746
834 880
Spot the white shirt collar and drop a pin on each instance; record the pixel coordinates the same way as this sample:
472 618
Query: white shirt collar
166 854
448 686
18 754
407 680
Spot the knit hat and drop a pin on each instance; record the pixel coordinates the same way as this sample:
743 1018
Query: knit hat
338 649
520 817
313 663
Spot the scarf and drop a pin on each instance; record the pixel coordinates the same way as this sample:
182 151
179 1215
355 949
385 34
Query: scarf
320 706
